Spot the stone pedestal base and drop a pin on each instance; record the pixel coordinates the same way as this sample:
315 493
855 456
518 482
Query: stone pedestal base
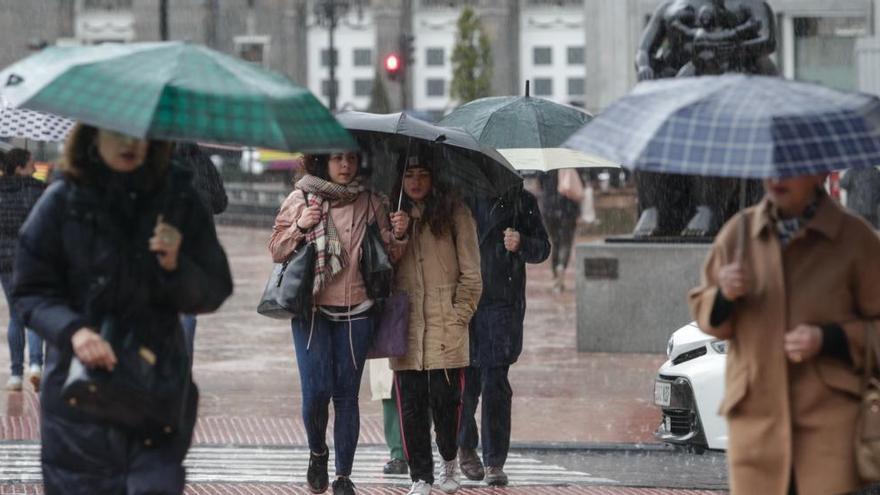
631 297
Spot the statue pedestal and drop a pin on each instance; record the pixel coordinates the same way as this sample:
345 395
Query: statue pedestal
632 294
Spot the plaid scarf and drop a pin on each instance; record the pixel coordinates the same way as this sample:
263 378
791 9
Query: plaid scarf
331 257
788 228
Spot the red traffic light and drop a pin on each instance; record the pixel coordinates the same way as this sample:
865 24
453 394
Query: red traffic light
392 63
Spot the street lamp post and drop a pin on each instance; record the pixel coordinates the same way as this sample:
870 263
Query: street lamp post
327 14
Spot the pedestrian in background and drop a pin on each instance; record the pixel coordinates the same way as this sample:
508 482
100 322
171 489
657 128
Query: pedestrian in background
331 208
100 244
560 218
382 388
511 234
209 186
19 191
440 271
793 289
863 192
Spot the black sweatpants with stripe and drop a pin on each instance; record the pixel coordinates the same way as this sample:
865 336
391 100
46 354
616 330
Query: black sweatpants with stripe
421 397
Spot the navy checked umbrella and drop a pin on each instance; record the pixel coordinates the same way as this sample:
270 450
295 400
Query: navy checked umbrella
736 126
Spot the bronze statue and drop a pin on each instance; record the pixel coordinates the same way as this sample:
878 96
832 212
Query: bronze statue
693 38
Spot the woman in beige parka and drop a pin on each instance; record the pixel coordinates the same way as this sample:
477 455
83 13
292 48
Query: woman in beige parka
440 271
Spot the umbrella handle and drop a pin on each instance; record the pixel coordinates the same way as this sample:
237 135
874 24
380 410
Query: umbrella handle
742 228
403 174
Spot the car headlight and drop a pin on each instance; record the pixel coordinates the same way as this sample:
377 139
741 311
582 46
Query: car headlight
720 346
669 346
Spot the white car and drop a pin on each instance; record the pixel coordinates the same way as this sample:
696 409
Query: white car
689 389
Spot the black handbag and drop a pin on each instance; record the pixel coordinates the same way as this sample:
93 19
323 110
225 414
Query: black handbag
150 388
288 293
376 268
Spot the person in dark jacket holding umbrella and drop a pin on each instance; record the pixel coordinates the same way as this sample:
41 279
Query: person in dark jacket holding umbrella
511 234
209 186
18 193
121 236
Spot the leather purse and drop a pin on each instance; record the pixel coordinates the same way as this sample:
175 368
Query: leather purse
376 268
391 334
150 388
288 293
867 441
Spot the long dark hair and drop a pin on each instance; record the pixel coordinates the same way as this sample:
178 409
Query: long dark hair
318 165
81 159
440 203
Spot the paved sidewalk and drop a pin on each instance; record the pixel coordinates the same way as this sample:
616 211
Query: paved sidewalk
250 390
263 489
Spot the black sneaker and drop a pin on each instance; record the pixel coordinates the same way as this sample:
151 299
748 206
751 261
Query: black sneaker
343 486
395 466
316 476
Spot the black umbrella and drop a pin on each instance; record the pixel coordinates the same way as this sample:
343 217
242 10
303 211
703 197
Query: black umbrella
462 162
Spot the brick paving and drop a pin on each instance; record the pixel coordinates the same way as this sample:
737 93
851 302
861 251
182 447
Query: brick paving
266 489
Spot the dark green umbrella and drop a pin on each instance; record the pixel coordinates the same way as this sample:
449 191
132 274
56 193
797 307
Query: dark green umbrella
173 91
467 166
527 131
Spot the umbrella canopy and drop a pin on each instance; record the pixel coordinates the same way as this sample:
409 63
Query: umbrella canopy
36 126
736 126
466 165
173 91
527 131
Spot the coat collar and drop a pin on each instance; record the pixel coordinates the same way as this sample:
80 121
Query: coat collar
826 221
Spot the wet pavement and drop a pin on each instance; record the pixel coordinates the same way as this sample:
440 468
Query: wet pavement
250 390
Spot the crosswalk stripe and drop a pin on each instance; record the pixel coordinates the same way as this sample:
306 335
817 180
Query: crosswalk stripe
20 462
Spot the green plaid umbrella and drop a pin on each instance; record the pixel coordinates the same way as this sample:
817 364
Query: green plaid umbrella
174 91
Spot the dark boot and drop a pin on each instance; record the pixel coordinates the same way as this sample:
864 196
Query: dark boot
343 486
316 477
395 466
470 464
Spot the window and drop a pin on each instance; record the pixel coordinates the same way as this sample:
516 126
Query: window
542 55
543 87
325 88
435 57
436 87
363 57
576 86
575 55
824 50
363 87
252 48
325 57
106 4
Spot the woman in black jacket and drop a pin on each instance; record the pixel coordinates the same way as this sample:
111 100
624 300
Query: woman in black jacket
19 191
122 236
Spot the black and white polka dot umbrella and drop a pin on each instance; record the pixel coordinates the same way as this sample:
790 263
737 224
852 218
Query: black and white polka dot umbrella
28 124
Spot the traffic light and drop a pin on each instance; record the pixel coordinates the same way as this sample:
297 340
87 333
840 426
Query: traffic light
393 66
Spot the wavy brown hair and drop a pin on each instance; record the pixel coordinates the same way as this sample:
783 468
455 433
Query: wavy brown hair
440 204
81 160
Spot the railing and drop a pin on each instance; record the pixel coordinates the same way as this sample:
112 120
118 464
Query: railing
253 204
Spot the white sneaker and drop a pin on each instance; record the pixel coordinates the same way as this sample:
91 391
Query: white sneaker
35 373
449 480
14 383
420 488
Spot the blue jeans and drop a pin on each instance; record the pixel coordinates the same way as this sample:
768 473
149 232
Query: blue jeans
331 368
15 335
188 322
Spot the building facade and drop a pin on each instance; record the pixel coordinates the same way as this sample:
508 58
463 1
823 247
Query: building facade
579 52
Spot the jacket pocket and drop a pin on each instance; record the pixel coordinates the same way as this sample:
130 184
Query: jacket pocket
736 388
839 376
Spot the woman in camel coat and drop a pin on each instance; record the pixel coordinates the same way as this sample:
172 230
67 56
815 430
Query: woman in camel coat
795 310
